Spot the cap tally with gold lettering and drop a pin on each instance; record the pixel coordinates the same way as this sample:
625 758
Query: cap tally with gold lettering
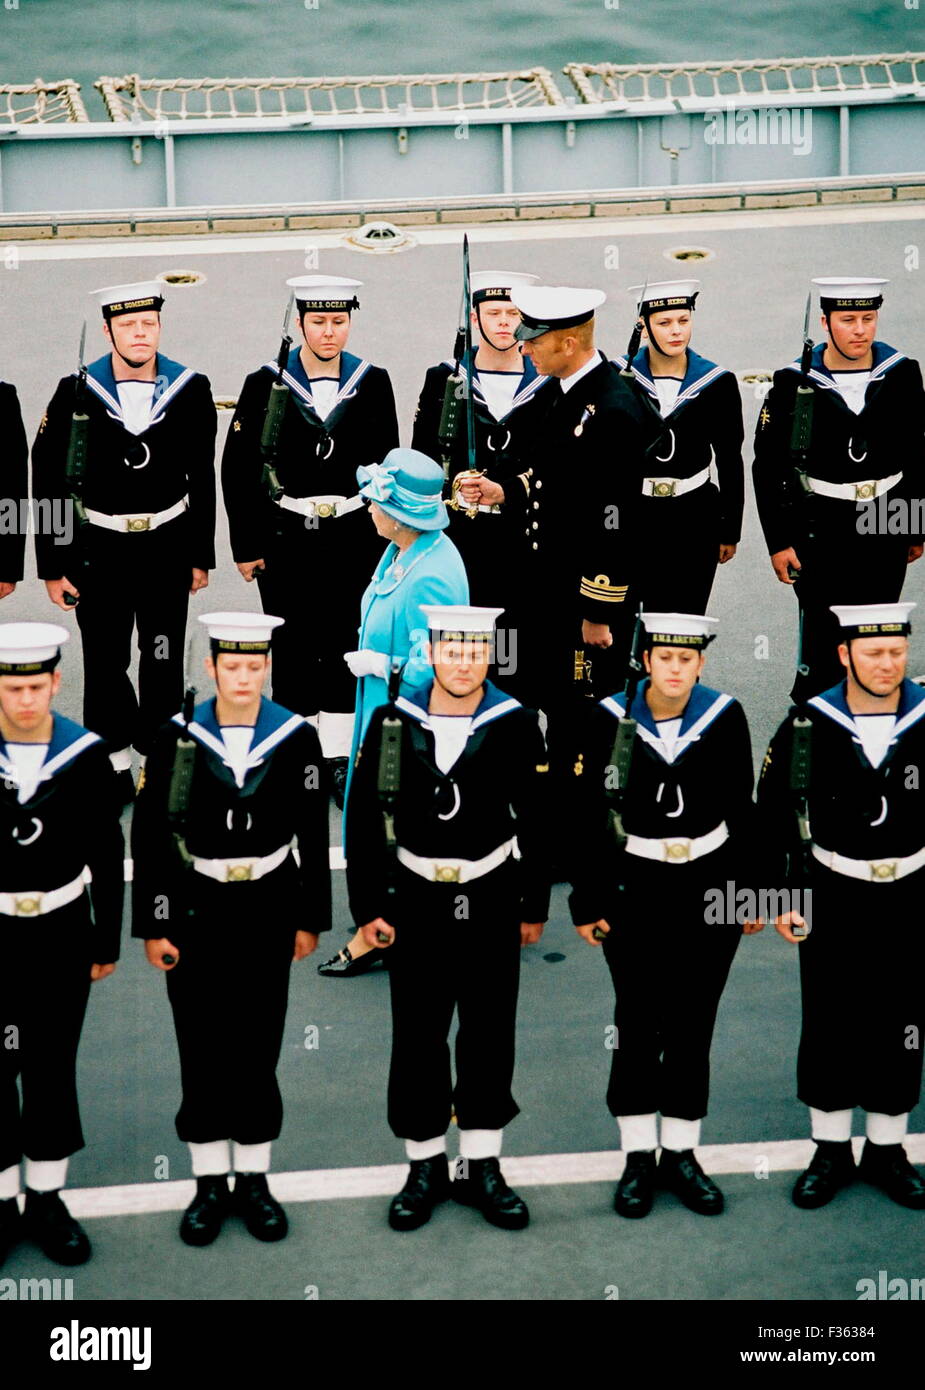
497 284
658 295
849 293
873 619
247 633
545 308
324 294
460 622
130 299
679 629
27 649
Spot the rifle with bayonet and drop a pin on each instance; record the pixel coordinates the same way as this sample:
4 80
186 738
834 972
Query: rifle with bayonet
181 774
460 383
276 409
802 431
75 467
388 778
635 336
621 755
800 766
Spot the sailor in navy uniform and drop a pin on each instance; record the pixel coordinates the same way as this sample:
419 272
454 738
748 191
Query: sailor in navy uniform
14 488
572 628
488 514
149 497
59 826
843 528
224 907
661 904
862 961
451 894
693 414
312 550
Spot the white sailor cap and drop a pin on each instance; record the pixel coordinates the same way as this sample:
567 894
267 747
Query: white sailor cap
873 619
28 648
240 632
544 308
678 629
327 294
460 622
497 284
130 299
850 292
665 294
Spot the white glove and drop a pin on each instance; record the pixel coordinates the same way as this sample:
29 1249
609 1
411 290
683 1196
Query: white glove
367 663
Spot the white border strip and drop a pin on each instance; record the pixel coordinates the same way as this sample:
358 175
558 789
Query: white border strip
538 1170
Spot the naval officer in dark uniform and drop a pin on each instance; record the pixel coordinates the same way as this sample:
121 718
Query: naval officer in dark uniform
438 800
693 417
14 490
488 512
148 496
311 548
862 960
224 906
840 471
659 902
59 826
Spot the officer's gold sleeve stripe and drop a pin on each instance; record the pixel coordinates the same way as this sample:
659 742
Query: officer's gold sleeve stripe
601 588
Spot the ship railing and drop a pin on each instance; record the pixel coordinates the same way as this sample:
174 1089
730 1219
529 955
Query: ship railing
135 98
41 102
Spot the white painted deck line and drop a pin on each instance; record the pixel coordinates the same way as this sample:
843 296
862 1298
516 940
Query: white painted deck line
537 1170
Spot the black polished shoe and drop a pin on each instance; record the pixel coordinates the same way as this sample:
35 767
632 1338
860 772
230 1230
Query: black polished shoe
47 1221
205 1214
258 1208
484 1187
337 779
344 965
681 1174
427 1185
636 1188
832 1167
886 1166
10 1226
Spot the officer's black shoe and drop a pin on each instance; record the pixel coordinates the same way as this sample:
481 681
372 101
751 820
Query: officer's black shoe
258 1208
345 965
832 1168
10 1226
484 1188
886 1166
427 1185
125 788
337 776
635 1190
205 1214
681 1174
47 1221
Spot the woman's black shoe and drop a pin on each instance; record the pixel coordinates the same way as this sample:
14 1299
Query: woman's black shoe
427 1185
345 965
205 1214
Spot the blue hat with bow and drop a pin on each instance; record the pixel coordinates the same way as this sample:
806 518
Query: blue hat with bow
408 486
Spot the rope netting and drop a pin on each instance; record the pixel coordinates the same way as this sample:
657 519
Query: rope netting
36 101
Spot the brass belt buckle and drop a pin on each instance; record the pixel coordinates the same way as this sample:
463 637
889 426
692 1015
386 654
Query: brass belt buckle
864 491
138 523
446 873
677 849
27 907
238 873
663 489
326 509
883 870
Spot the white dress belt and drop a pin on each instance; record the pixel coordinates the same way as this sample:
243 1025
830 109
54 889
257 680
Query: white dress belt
36 904
136 521
854 492
455 870
240 870
678 849
674 487
322 506
870 870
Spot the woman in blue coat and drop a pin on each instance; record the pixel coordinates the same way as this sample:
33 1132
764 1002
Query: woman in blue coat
420 565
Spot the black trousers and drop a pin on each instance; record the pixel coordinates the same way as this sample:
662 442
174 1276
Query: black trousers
669 968
441 961
229 1001
43 999
315 578
862 969
133 581
840 566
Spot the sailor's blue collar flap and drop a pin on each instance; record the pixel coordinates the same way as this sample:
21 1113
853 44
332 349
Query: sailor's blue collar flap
274 725
352 369
699 374
833 704
68 740
493 704
169 379
703 707
885 358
